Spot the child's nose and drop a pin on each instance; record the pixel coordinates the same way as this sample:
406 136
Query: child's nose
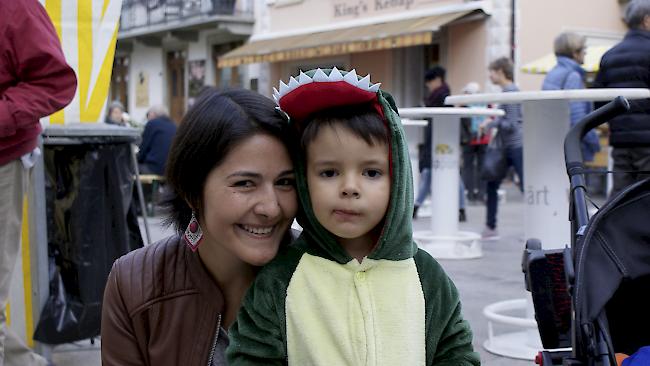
350 190
351 193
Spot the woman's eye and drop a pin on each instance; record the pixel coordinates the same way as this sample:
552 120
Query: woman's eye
287 182
372 173
329 173
244 184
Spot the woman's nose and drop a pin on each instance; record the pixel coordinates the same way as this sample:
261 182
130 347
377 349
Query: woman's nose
268 206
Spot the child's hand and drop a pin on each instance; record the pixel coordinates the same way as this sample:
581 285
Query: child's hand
639 358
620 357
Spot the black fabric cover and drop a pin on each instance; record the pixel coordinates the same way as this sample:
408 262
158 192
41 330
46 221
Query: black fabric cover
495 165
90 223
612 266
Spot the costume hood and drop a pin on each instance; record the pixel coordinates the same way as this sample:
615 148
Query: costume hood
317 90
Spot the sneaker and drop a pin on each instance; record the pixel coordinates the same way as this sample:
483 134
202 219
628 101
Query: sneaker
490 234
415 211
462 217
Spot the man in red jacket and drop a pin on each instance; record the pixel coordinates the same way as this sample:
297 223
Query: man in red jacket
35 81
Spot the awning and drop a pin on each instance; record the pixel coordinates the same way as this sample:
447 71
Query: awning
545 64
402 33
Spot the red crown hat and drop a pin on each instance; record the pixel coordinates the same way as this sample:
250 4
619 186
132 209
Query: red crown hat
308 95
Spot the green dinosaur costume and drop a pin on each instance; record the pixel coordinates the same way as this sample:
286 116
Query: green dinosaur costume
316 305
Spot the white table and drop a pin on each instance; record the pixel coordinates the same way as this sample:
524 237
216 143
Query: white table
413 128
444 240
546 123
546 190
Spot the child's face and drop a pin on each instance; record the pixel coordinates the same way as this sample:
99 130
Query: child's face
349 182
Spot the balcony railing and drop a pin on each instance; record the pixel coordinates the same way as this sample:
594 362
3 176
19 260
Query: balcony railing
144 13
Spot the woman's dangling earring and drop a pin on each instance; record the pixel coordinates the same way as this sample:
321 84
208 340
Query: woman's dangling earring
193 234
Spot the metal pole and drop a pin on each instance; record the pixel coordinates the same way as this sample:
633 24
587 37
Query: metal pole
39 245
138 185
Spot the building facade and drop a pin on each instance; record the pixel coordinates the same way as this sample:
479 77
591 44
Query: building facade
600 21
167 51
393 40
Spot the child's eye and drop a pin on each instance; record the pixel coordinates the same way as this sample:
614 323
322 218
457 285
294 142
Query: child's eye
328 173
372 173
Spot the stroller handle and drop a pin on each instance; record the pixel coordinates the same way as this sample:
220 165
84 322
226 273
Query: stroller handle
572 151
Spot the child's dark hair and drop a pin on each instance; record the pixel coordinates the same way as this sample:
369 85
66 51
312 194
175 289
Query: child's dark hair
362 120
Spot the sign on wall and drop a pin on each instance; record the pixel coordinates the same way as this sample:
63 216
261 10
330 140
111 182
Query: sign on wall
196 81
142 90
350 9
88 33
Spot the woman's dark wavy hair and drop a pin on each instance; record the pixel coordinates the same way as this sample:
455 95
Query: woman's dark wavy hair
211 128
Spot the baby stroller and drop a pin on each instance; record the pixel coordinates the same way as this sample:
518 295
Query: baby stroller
594 297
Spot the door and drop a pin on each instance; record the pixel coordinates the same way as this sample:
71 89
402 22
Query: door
227 76
120 81
176 84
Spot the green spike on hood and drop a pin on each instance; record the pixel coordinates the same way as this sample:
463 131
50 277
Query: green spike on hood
395 242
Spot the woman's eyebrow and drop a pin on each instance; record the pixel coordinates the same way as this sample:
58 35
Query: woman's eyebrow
287 172
245 174
248 174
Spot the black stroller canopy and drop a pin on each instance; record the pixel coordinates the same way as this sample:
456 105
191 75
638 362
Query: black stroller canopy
612 267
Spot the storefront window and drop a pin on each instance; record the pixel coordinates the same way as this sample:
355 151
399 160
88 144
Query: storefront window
295 69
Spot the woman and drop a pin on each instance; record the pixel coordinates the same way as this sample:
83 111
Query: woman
171 302
570 49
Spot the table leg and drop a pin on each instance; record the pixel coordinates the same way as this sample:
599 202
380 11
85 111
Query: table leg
445 175
546 185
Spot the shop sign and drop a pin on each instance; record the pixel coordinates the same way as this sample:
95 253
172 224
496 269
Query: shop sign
342 9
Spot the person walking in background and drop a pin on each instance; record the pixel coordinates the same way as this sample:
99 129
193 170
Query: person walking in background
434 79
510 132
156 140
474 144
35 81
627 65
569 49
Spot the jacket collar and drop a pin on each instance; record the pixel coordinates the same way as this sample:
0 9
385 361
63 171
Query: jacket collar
437 95
637 33
201 278
570 64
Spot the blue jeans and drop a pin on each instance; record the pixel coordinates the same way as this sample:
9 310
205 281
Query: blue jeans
515 159
471 172
424 189
425 186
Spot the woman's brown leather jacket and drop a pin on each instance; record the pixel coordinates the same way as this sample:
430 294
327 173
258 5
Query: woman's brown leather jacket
161 307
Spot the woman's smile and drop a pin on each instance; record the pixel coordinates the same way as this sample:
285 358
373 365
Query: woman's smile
258 231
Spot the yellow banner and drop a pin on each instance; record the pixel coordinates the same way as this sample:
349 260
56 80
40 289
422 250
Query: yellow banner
88 33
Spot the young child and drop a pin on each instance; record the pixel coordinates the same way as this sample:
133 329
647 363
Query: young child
354 289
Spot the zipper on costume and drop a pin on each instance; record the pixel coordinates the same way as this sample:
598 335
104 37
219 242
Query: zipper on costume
214 343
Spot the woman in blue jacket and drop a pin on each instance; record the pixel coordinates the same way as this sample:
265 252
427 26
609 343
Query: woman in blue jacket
568 74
